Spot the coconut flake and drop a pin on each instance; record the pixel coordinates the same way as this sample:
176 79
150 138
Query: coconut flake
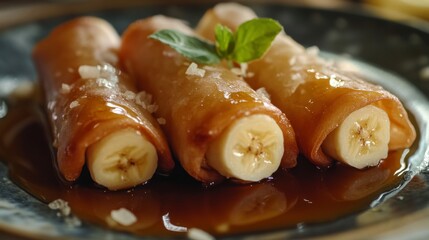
129 95
123 216
102 82
152 108
109 72
198 234
65 88
74 104
106 71
64 211
171 227
243 68
262 92
193 70
61 205
87 72
242 71
144 99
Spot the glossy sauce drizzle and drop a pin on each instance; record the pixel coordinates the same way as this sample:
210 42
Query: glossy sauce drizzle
167 206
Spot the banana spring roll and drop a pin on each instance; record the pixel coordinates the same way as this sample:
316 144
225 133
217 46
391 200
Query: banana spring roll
217 126
97 118
335 115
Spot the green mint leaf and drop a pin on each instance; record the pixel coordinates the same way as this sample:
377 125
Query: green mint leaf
224 41
190 47
253 38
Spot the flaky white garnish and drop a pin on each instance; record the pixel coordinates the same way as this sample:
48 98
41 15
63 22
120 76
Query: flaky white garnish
123 216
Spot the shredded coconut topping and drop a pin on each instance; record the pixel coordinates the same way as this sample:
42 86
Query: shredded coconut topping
193 70
152 108
123 216
198 234
64 211
129 95
60 205
144 99
301 61
106 72
102 82
242 71
262 92
335 82
65 88
243 68
74 104
171 227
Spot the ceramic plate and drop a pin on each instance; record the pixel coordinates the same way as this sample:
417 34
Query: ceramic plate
391 54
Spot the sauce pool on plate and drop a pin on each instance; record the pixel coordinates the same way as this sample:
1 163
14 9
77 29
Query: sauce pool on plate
171 205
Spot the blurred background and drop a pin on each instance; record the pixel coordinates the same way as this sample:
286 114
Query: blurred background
397 9
414 12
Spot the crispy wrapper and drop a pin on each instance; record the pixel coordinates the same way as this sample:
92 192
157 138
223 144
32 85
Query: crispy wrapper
197 108
83 111
315 96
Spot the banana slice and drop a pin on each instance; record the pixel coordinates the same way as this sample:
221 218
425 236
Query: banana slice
362 139
250 149
122 160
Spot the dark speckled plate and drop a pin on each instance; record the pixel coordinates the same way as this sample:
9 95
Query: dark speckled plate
391 54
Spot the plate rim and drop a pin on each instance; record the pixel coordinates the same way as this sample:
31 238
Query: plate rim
69 8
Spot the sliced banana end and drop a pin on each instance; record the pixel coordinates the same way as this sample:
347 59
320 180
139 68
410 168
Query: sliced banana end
122 159
362 139
250 149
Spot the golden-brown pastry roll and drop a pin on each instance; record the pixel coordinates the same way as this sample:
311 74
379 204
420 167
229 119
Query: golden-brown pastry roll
217 126
335 115
97 117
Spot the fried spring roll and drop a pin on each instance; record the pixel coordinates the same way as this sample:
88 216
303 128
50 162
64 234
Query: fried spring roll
217 126
335 115
94 109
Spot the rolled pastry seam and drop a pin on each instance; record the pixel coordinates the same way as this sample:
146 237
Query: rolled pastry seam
96 115
217 126
320 99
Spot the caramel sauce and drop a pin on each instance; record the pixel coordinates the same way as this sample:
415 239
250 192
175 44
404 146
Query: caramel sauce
166 205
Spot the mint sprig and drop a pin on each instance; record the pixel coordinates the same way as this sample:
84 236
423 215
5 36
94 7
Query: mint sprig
224 41
251 40
190 47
